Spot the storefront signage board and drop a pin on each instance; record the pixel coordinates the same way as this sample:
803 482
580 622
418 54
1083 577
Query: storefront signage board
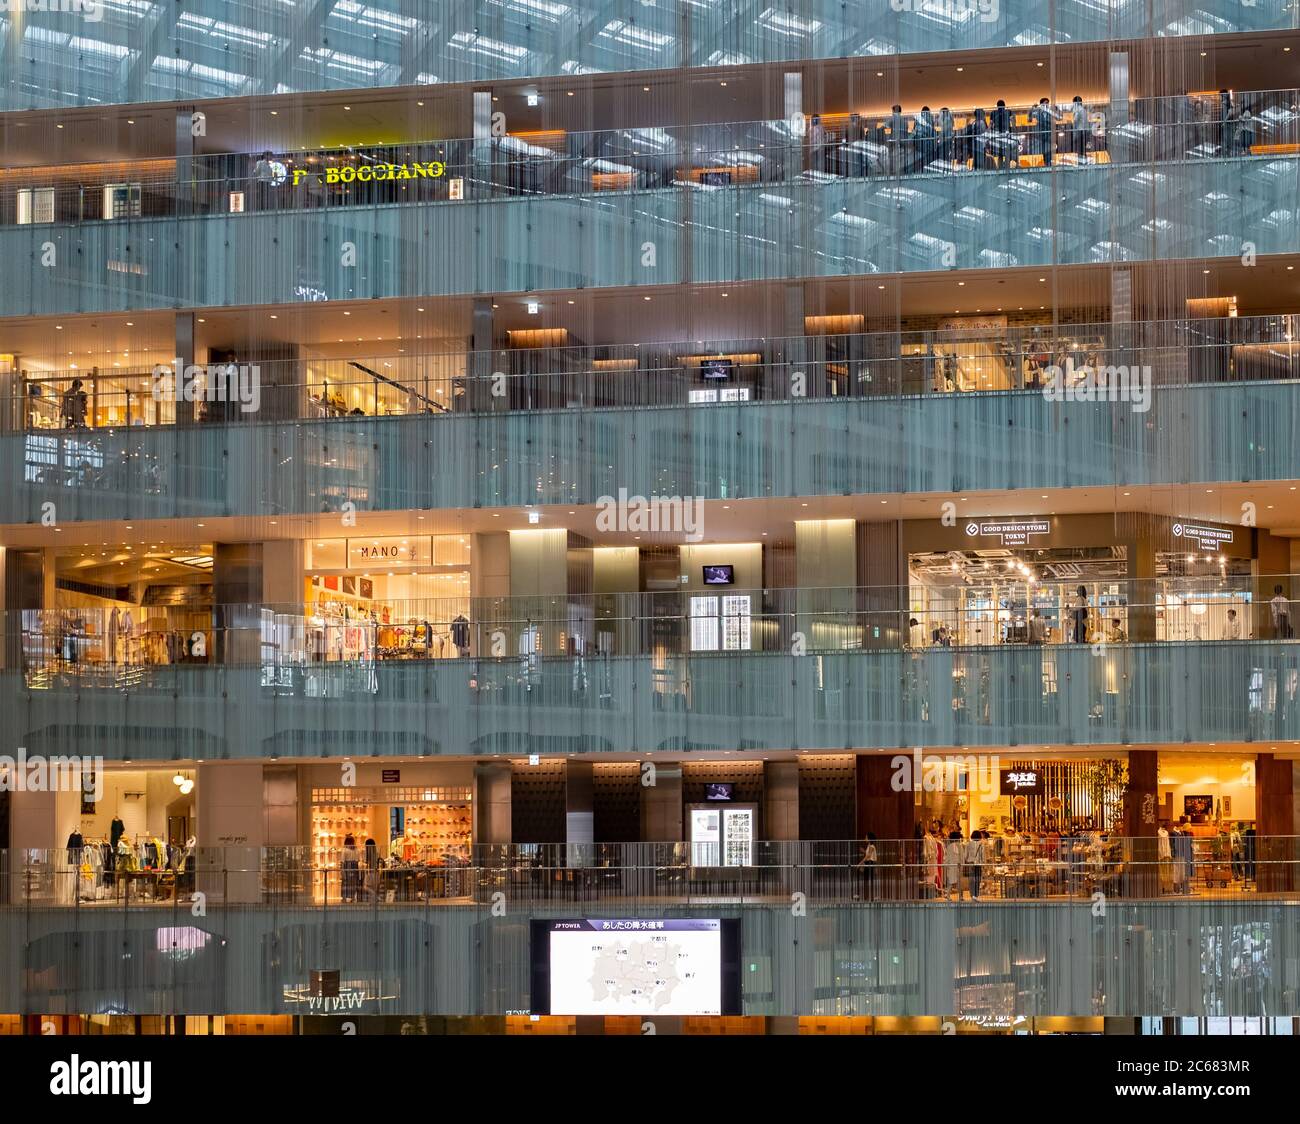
1205 538
1022 782
391 776
394 551
1009 532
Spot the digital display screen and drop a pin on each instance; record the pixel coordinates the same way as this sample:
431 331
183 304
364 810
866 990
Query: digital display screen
717 370
719 791
636 966
719 575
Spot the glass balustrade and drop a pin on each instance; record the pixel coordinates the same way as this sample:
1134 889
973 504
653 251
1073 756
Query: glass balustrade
795 670
821 150
1219 864
1075 362
832 445
145 52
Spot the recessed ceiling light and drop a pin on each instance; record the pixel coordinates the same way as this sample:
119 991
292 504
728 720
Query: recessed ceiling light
275 113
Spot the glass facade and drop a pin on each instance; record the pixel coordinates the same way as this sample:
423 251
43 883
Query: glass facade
724 516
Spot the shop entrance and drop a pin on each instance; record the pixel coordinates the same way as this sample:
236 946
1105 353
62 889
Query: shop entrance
389 598
1018 595
131 836
391 843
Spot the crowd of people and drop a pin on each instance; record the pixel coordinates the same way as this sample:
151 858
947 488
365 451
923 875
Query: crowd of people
949 863
1001 137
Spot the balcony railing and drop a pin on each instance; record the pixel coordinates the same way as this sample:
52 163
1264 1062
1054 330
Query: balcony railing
1225 861
817 149
1051 360
986 605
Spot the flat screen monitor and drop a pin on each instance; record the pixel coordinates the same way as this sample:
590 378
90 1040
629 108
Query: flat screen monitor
719 575
636 966
717 370
719 791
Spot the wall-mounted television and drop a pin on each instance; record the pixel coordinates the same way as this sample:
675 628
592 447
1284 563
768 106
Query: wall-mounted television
719 575
716 370
720 790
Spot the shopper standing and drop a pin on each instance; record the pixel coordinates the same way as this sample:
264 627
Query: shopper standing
975 862
867 864
931 853
1245 131
1226 126
350 865
1079 615
976 130
923 133
1280 607
73 406
263 179
372 871
1079 128
1044 122
946 130
954 851
898 145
